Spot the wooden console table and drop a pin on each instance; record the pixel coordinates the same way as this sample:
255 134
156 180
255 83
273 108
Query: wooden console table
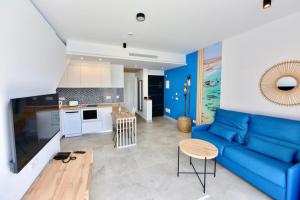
64 180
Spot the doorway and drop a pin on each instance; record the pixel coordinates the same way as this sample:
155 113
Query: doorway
156 93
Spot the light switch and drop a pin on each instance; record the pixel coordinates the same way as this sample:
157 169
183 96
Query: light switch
167 84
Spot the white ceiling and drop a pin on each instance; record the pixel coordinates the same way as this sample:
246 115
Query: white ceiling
175 25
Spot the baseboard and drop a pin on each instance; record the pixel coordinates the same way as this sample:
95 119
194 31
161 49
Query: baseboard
142 117
170 118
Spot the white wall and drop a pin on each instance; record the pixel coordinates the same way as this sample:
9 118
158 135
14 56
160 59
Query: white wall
32 62
130 90
247 56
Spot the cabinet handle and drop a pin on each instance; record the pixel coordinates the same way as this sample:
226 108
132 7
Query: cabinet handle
72 112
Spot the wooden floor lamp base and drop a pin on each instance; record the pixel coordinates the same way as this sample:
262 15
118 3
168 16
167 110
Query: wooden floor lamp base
184 124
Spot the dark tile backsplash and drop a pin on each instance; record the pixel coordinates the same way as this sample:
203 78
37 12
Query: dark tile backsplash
91 95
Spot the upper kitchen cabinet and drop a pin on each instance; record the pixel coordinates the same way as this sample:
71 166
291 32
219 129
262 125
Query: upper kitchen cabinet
93 75
71 77
117 76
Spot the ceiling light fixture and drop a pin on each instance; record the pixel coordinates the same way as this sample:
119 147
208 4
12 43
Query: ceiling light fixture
99 59
267 4
130 34
81 58
140 17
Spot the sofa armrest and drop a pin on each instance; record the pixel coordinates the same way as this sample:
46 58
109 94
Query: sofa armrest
293 182
201 127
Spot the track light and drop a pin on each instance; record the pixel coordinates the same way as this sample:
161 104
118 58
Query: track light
267 4
140 17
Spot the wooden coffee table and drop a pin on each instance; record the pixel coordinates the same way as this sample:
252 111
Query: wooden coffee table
199 149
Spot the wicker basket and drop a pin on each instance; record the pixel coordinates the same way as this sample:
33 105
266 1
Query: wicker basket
184 124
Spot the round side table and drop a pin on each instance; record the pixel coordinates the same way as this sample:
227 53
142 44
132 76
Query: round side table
184 124
199 149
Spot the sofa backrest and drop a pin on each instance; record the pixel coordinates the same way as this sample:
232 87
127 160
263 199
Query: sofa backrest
236 121
280 131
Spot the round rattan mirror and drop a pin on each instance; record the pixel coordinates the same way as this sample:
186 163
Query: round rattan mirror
281 83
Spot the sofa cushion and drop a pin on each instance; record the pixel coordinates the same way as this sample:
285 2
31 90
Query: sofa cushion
219 142
222 132
268 168
277 130
276 151
235 121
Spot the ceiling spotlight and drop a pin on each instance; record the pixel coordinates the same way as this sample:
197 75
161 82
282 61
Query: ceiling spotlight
140 17
99 59
81 58
130 34
267 4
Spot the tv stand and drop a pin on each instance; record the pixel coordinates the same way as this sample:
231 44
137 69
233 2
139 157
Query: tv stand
64 180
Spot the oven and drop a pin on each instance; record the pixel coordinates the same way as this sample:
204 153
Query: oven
90 114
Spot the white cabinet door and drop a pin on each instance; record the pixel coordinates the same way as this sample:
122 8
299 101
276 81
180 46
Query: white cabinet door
91 127
104 76
72 123
95 75
74 75
89 74
106 120
71 77
64 80
117 76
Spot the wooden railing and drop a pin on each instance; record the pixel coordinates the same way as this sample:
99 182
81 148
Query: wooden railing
125 132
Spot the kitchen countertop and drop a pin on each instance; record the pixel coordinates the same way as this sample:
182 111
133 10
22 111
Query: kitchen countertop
102 105
121 115
115 109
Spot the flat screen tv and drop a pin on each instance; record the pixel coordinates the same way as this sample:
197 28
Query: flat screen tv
35 123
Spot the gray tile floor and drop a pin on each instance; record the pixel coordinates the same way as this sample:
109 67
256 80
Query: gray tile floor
148 170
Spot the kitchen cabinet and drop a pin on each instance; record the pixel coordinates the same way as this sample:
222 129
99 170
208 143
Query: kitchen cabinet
71 77
89 74
104 78
117 76
93 75
71 125
106 119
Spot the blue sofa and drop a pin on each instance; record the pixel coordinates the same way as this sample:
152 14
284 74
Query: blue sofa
264 151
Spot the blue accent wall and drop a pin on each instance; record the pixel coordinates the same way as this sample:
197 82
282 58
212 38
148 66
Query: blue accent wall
174 96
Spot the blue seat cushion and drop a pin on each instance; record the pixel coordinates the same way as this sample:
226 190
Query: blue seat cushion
268 168
223 132
234 121
219 142
276 151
